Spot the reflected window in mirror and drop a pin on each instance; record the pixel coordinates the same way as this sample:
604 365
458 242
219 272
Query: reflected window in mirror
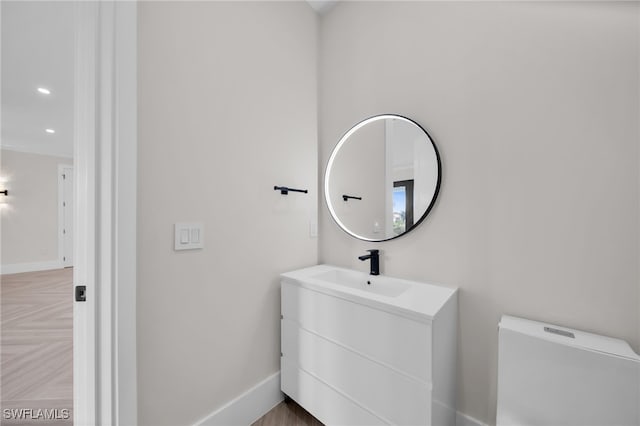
402 206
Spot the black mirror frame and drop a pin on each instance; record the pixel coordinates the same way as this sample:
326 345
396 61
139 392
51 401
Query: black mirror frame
334 153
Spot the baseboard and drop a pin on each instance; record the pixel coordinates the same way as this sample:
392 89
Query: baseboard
18 268
260 399
248 407
464 420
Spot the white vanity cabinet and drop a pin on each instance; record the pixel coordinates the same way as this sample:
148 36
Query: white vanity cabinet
351 356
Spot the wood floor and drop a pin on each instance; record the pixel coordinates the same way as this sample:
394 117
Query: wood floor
36 346
287 414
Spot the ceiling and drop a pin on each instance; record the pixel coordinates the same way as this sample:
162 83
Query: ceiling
37 51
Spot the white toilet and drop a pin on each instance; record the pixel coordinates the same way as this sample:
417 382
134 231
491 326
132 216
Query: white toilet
556 376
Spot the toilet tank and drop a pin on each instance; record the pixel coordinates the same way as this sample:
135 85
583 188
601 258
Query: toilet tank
556 376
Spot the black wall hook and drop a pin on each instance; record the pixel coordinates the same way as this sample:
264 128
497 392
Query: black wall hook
285 190
346 197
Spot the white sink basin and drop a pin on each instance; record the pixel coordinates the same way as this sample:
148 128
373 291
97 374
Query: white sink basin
385 286
417 300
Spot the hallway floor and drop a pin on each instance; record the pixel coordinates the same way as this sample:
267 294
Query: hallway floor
36 347
287 414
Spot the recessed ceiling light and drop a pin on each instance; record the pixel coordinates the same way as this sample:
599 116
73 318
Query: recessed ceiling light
44 91
49 130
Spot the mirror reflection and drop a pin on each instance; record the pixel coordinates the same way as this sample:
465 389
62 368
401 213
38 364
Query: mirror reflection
382 178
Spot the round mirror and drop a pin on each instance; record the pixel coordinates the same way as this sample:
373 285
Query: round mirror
382 178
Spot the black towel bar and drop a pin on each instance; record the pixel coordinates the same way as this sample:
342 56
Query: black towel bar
285 190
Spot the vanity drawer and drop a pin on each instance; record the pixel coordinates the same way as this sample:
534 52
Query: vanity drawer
388 394
388 339
323 402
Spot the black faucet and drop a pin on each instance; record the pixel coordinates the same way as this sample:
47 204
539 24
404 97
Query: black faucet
375 261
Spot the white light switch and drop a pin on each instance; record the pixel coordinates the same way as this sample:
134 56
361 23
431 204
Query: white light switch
188 236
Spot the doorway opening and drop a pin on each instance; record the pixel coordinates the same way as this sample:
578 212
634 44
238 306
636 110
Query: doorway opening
36 215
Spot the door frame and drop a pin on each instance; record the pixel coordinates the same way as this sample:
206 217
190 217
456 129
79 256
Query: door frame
105 169
61 227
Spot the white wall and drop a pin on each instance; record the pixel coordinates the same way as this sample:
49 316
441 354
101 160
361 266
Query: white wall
30 212
534 108
227 109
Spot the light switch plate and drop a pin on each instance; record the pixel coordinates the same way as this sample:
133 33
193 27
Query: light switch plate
188 236
376 228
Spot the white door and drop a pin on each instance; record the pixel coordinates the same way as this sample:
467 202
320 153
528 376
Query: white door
67 216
